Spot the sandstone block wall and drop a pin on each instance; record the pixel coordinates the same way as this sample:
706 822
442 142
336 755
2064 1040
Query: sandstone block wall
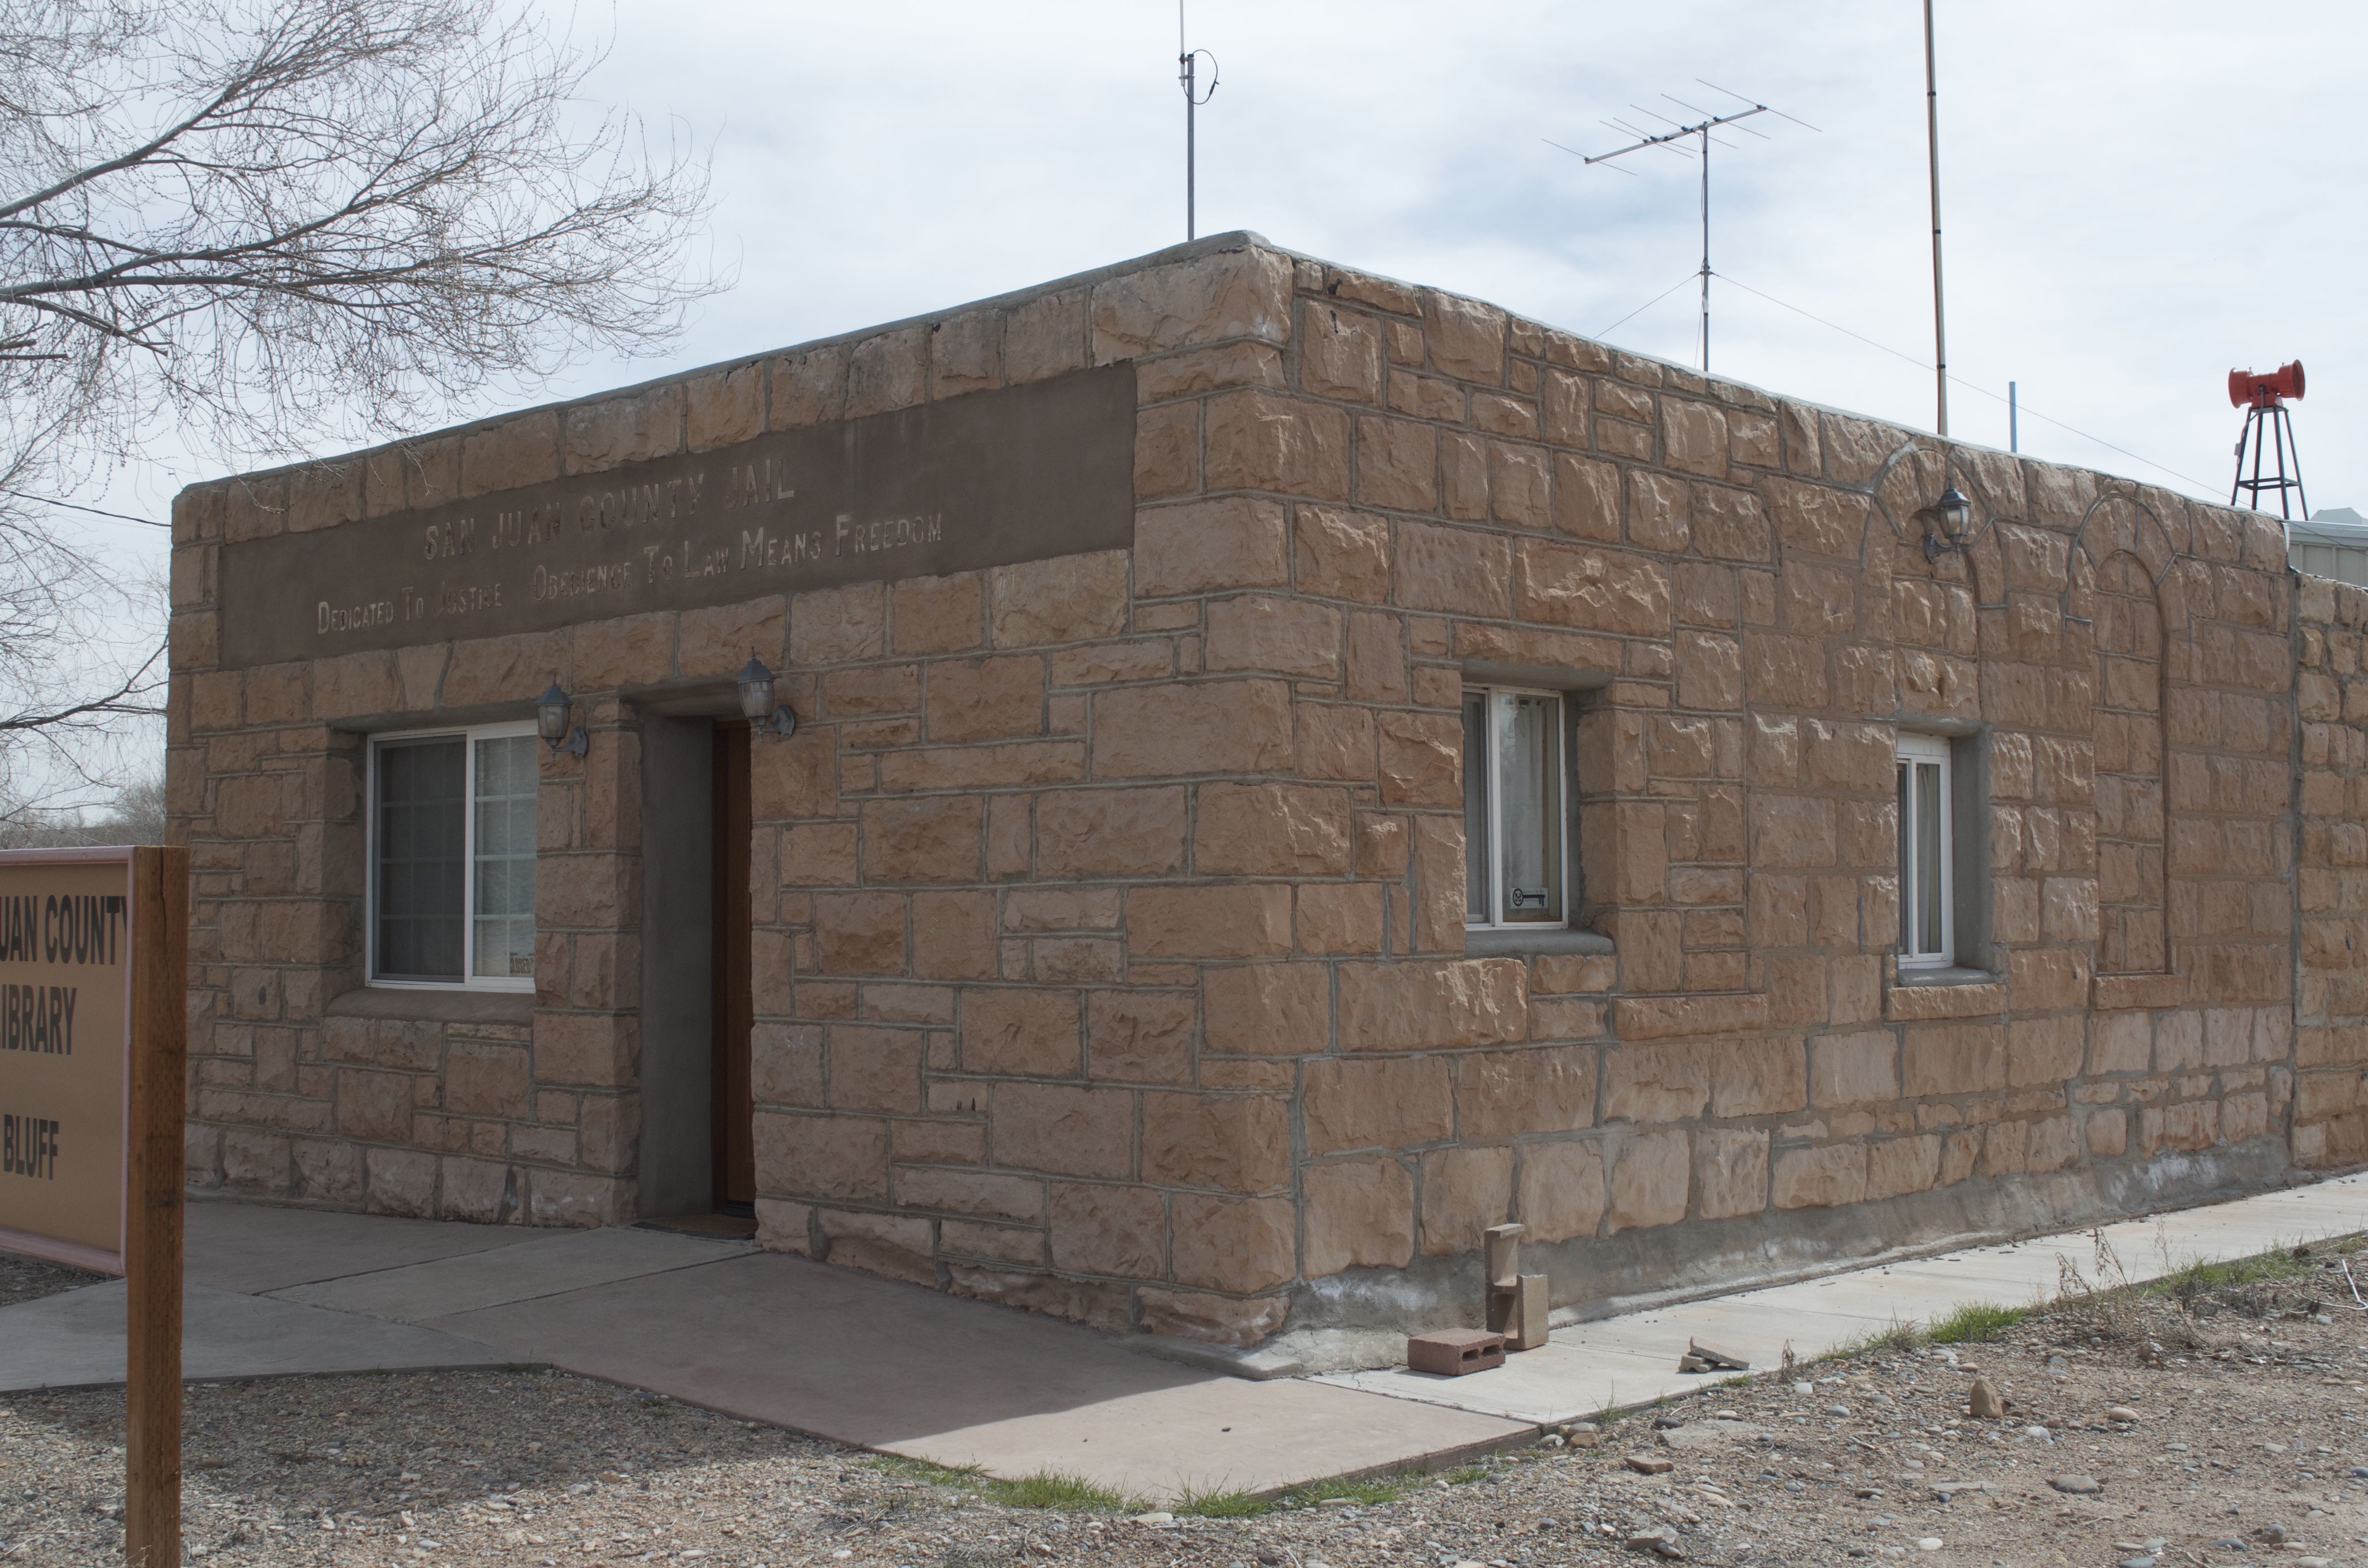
2330 1113
1108 932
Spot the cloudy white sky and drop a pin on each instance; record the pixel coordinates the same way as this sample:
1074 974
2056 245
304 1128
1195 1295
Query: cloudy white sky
2138 196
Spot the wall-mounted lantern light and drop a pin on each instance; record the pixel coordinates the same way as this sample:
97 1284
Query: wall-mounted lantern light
1956 515
765 715
553 714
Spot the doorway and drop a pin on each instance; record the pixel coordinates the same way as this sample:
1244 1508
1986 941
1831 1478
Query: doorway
732 1007
695 1168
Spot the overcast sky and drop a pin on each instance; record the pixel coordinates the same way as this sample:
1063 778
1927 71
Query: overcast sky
2137 196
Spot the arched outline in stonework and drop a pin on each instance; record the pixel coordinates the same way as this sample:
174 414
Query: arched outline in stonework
2117 523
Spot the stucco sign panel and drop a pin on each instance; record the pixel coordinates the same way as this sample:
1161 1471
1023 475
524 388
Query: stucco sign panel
1023 473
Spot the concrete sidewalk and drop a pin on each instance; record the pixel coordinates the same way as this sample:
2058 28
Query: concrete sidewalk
891 1366
834 1352
1622 1362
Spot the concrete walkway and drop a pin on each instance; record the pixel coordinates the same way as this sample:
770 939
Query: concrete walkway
840 1354
891 1366
1622 1362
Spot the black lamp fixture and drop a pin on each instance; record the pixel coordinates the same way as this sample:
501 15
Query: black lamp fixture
1956 515
552 712
766 716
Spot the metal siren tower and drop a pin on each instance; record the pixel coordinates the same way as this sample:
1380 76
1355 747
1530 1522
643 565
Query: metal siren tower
2268 429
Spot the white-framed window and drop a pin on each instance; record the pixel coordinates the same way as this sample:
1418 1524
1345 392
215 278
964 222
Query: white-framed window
1928 934
452 857
1516 843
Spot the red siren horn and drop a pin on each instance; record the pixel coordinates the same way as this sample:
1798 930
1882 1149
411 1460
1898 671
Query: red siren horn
2248 390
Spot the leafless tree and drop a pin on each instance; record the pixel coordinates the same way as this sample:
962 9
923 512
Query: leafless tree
136 816
250 229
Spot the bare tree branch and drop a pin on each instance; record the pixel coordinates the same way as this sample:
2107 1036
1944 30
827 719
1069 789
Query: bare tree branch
258 228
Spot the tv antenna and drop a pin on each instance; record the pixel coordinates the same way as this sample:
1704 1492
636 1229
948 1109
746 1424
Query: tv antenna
1187 62
1673 140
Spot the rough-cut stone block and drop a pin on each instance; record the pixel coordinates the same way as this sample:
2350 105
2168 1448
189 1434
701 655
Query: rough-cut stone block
1069 1131
1504 1093
1235 921
1561 1191
1386 1104
1244 293
1650 1178
1460 571
1823 1177
1730 1172
1267 1009
1232 1243
1340 555
1425 1005
1135 832
1268 633
1261 441
1022 1031
978 700
1358 1213
1230 726
821 1156
1594 590
1271 830
1220 1319
1465 1191
1109 1229
1070 598
1230 1143
1235 541
1466 339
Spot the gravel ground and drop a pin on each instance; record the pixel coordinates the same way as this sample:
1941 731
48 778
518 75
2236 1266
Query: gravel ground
22 1278
2221 1423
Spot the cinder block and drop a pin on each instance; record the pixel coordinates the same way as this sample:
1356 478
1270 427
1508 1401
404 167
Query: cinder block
1453 1352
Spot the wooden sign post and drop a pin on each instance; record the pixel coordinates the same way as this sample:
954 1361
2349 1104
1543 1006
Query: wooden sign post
94 1053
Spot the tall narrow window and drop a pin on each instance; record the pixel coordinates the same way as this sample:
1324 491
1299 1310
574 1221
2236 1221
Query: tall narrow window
1927 939
452 843
1516 851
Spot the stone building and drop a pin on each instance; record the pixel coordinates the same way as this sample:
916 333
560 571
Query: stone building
1290 769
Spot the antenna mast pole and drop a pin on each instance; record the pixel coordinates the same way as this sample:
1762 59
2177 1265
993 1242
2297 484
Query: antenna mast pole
1186 73
1932 141
1673 140
1705 270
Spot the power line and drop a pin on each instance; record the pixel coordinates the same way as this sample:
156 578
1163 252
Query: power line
1648 305
78 506
1922 365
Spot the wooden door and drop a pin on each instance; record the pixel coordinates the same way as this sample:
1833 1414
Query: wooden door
732 1095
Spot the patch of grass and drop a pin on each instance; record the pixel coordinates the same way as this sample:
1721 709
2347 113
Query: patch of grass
1973 1322
1233 1504
968 1477
1046 1489
2202 1275
1366 1492
1057 1490
1463 1475
1900 1337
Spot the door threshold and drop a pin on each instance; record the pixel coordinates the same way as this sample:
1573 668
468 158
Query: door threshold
728 1227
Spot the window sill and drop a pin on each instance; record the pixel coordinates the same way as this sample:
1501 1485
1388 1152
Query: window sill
435 1004
1954 993
1952 975
1496 941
